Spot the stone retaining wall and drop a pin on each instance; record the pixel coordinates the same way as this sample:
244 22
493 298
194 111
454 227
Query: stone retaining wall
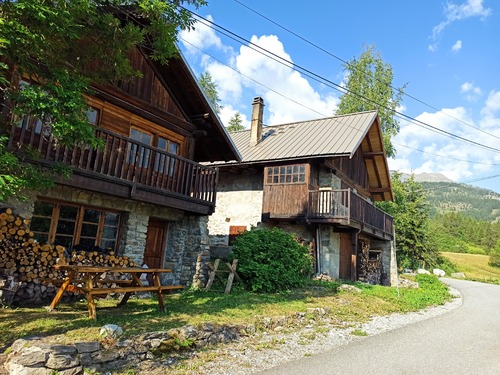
35 357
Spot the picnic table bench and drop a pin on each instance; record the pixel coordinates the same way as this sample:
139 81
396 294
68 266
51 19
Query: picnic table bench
93 281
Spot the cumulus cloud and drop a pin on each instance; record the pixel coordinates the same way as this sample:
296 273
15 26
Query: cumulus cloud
457 46
287 94
456 12
424 150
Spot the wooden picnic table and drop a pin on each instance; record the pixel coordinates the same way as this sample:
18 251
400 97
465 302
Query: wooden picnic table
93 281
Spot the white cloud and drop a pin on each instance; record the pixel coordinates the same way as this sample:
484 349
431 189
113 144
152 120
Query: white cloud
491 109
227 112
287 94
202 37
456 12
228 81
472 92
457 46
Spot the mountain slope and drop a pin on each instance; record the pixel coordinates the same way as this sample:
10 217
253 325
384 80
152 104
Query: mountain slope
472 201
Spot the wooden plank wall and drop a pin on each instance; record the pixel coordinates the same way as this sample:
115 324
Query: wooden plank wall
354 168
148 87
287 200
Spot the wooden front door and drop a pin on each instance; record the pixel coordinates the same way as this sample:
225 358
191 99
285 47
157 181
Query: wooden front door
155 243
345 257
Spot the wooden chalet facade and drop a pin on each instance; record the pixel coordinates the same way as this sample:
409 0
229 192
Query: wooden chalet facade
145 193
317 179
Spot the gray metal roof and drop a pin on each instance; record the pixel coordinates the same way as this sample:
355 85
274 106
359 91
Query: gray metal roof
331 136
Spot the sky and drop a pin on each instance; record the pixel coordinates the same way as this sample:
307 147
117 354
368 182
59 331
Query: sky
445 53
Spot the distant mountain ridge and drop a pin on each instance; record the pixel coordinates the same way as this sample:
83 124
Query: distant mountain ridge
445 195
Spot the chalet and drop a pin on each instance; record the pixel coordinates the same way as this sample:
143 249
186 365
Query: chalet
145 194
317 179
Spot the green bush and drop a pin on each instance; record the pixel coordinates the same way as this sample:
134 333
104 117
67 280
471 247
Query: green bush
495 259
271 260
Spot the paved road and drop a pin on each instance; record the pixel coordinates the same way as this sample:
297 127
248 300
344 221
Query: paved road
463 341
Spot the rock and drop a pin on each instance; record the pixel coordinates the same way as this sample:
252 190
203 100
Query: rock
438 272
349 288
458 275
111 331
87 347
405 283
61 361
72 371
421 271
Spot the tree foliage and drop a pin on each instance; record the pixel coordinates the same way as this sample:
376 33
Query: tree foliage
369 85
410 211
235 123
210 88
271 260
61 48
456 232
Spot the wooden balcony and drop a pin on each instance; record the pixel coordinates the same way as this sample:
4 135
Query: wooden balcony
344 207
125 168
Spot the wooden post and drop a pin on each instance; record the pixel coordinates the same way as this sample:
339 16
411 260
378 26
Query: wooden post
212 274
161 301
89 284
61 290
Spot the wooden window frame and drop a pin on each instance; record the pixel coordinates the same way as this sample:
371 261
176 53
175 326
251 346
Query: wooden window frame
77 235
287 174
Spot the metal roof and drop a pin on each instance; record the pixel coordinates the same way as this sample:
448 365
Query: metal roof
337 136
331 136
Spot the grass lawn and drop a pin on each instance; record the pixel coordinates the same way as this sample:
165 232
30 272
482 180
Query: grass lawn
475 267
70 322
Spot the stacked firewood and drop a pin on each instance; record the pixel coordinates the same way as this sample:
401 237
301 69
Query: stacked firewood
29 260
370 267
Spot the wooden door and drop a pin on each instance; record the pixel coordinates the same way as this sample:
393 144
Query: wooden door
155 243
345 257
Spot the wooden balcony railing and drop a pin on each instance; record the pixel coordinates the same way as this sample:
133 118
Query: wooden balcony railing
346 207
125 160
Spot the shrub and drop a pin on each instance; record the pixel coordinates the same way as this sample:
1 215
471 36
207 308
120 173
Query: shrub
495 259
271 260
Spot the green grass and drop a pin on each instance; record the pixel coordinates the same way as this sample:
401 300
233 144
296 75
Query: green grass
70 322
475 267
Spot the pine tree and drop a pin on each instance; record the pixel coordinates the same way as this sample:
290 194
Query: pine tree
235 123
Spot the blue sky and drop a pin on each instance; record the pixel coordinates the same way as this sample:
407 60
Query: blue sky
446 52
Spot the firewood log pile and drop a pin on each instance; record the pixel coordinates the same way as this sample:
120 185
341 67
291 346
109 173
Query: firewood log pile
370 266
31 262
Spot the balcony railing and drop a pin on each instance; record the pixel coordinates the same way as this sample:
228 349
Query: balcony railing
347 207
124 160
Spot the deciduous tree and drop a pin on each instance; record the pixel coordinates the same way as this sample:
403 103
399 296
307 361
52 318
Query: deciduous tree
61 48
369 85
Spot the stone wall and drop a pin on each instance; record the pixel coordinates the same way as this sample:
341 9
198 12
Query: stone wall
329 251
143 353
239 203
187 234
328 179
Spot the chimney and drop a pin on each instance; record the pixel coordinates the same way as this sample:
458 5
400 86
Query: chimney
257 116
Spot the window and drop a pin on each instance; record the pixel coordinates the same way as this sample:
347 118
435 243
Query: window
164 163
71 225
286 174
137 153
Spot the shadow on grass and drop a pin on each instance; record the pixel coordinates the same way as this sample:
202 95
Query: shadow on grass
141 315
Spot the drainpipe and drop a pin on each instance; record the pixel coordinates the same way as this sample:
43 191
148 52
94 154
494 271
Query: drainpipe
318 248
